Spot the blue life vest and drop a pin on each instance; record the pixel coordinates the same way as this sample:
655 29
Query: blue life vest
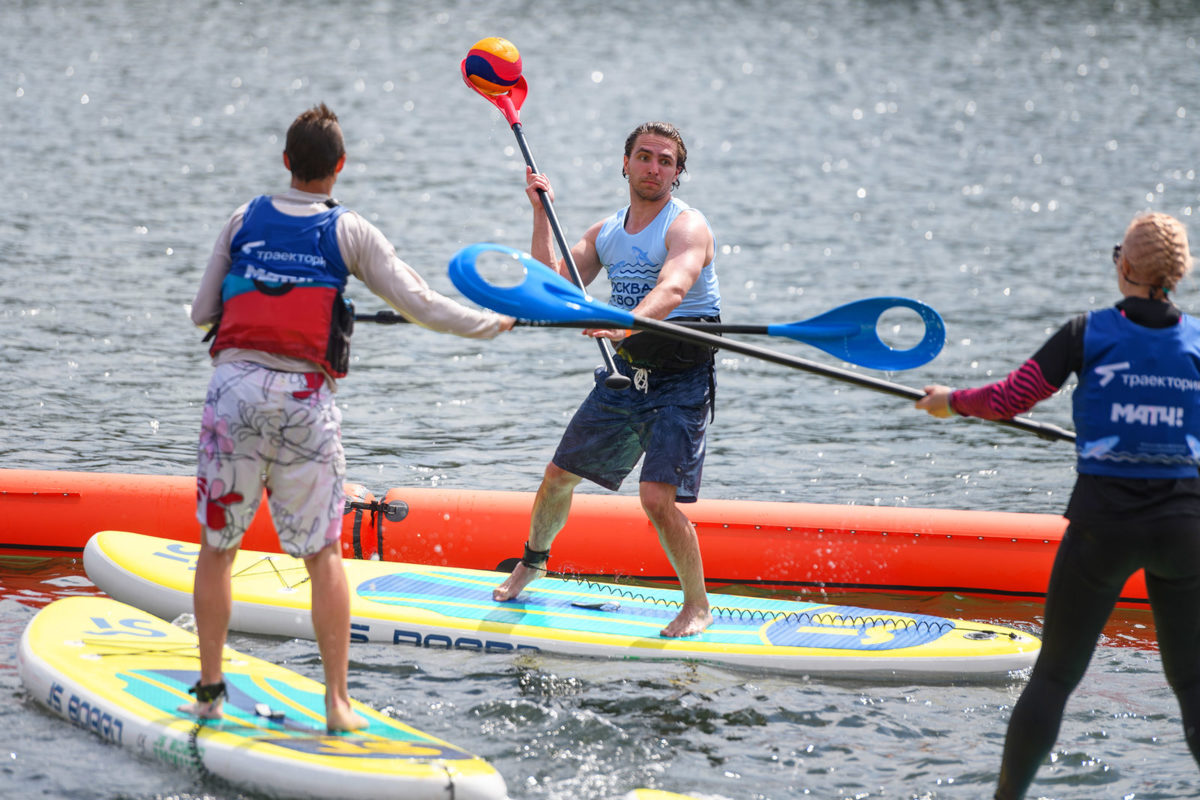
1137 406
634 260
284 290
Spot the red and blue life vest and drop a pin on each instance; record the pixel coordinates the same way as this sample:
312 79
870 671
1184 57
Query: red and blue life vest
284 290
1137 406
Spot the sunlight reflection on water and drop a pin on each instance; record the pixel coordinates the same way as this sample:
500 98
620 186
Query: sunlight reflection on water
982 158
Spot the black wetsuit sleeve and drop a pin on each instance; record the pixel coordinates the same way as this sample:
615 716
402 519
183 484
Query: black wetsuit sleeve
1062 353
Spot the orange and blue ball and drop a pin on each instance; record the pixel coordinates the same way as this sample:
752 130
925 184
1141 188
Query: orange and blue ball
493 65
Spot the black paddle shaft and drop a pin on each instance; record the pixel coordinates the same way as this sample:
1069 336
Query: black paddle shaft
615 380
388 317
1042 429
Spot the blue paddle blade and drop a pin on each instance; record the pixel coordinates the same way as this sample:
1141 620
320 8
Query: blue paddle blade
543 296
851 333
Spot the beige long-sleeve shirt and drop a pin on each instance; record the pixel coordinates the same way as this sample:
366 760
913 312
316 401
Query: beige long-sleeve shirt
370 257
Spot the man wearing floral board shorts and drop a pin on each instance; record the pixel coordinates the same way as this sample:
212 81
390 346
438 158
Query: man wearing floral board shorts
290 445
273 292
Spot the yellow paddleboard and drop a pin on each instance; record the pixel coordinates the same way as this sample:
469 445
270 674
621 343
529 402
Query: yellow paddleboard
444 608
122 673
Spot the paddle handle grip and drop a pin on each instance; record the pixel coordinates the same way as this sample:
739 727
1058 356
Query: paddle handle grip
615 380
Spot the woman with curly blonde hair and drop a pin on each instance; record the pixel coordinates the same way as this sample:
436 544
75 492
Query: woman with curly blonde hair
1136 501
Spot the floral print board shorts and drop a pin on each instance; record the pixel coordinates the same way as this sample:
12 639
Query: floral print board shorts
279 431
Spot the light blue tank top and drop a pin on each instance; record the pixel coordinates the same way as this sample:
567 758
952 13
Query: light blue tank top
634 260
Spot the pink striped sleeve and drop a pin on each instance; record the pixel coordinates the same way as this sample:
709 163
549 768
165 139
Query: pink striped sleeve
1024 388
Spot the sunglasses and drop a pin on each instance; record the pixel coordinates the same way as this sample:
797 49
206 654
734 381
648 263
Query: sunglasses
1129 280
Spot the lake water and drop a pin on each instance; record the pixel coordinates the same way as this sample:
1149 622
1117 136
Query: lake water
982 157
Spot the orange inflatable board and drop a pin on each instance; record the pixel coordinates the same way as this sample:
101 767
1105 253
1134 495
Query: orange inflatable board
806 547
54 513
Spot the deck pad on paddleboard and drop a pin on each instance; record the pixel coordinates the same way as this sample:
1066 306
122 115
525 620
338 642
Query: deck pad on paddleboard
444 607
122 673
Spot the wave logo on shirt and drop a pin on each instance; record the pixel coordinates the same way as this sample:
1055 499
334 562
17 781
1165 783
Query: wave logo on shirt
632 280
1098 447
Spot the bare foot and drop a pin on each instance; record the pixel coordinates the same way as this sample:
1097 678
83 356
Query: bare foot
342 719
690 621
521 577
202 710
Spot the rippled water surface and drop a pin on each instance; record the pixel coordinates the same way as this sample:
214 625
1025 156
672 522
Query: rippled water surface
982 157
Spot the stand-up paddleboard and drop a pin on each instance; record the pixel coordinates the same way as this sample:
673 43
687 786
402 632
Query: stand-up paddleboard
122 673
443 607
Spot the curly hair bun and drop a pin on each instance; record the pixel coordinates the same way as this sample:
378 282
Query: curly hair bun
1155 250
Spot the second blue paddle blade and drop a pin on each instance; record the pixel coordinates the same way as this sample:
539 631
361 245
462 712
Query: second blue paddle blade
851 333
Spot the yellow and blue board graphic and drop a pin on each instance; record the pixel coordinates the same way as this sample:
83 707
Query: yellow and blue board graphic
613 610
445 607
123 674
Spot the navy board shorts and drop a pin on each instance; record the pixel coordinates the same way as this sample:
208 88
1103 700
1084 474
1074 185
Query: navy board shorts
613 428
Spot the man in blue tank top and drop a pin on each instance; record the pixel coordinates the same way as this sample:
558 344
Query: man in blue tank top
658 254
